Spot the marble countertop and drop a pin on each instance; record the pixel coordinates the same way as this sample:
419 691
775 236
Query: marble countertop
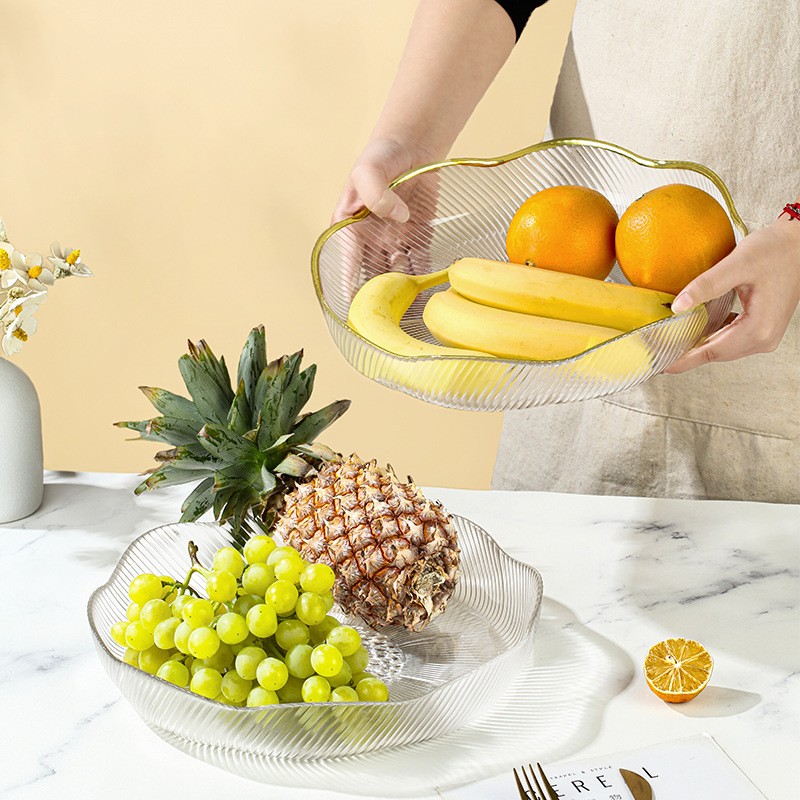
620 574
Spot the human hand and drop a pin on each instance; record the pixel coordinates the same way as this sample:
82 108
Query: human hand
764 270
396 236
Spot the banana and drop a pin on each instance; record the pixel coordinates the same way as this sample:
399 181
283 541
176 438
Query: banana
558 295
375 314
458 322
380 304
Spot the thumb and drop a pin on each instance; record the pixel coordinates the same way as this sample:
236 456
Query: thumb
372 187
709 285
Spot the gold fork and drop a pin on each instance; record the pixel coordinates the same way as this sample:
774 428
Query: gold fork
539 793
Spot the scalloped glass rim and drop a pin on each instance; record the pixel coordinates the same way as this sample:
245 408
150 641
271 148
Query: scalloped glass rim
304 731
672 336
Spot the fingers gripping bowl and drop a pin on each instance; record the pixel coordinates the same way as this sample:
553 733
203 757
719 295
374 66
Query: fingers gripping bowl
462 208
439 678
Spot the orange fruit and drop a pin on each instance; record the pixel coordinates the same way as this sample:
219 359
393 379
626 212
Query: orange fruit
670 235
566 229
677 669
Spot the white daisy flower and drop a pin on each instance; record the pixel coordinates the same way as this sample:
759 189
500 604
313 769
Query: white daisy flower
67 262
18 322
3 234
32 271
8 275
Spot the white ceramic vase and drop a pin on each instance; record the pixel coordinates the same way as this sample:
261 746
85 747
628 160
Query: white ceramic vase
21 472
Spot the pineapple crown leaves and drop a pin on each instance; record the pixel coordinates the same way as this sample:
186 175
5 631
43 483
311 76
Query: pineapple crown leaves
246 446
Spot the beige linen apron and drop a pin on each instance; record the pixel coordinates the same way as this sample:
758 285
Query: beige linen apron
716 82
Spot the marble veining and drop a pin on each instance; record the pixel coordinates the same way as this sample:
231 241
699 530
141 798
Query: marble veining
619 573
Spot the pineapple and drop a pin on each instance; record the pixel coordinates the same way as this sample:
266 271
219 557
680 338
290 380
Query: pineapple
394 552
246 447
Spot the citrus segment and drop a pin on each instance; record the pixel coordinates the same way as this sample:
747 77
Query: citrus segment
677 670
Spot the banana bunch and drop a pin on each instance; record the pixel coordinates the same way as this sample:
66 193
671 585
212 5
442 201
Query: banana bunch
497 309
517 311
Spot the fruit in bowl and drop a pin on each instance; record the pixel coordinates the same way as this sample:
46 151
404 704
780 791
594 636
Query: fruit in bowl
351 529
670 235
564 228
260 637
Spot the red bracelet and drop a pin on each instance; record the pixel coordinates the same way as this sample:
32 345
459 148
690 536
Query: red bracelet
792 210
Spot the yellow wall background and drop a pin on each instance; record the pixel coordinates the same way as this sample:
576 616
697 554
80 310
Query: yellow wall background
194 151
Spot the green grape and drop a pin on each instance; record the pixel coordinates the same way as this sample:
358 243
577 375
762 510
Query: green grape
198 613
319 633
310 608
230 559
316 690
232 628
206 682
169 592
298 661
359 676
187 660
327 598
151 659
178 603
344 694
145 587
221 586
282 596
203 642
272 674
235 687
359 660
259 696
133 611
118 632
262 621
164 633
247 662
284 552
222 659
220 698
291 632
181 637
287 569
372 690
342 677
326 660
258 548
153 612
292 692
249 641
257 577
137 636
317 578
245 602
174 672
198 664
131 656
345 639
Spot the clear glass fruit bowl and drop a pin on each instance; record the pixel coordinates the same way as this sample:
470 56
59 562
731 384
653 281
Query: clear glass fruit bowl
462 208
439 679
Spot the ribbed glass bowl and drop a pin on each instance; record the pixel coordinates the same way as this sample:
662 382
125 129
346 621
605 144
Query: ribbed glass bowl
439 679
462 208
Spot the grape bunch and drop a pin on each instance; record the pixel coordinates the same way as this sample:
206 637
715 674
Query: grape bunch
262 635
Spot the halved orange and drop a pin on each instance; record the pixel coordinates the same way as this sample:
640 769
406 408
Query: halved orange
677 670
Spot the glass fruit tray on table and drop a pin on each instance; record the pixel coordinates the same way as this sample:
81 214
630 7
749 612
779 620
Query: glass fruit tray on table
461 209
439 679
